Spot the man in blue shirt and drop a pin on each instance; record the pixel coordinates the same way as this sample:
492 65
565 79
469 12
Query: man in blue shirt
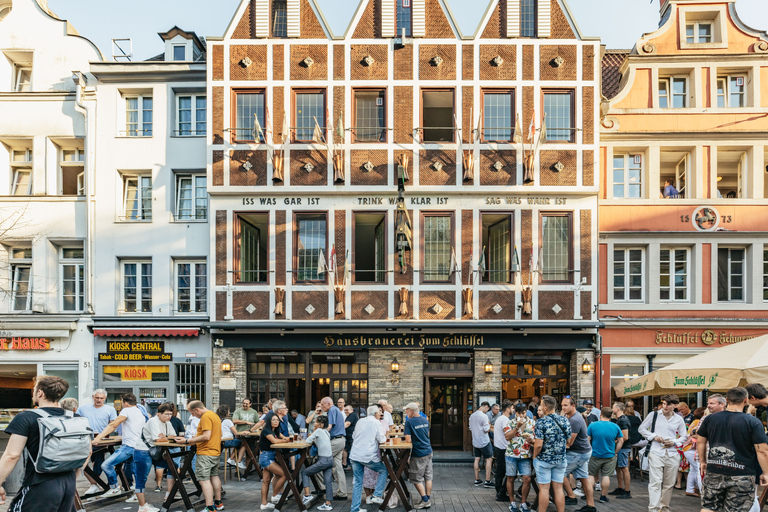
99 415
338 441
420 466
606 439
669 190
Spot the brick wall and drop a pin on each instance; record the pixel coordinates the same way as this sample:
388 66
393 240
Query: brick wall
505 299
217 168
496 28
310 25
318 70
437 26
407 386
446 70
468 62
526 226
403 63
406 278
376 71
561 29
586 245
588 63
338 62
217 62
508 68
582 385
319 301
428 173
586 305
257 70
240 176
588 169
281 233
467 101
221 305
244 28
340 239
278 62
217 106
318 177
484 382
589 115
548 299
366 27
378 299
446 299
277 113
237 359
221 248
467 235
549 70
528 62
550 177
404 119
376 176
259 300
507 176
339 100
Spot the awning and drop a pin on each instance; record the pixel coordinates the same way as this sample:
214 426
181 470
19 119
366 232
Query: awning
148 331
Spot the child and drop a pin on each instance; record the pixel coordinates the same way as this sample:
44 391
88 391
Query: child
322 440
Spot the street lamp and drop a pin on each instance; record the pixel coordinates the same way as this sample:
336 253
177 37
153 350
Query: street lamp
586 367
488 366
395 366
226 366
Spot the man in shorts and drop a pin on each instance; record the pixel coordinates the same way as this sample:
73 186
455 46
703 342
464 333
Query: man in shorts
46 492
519 435
622 491
552 433
577 454
479 425
606 439
737 452
208 441
420 467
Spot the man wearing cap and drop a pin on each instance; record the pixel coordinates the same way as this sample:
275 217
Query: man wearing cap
420 467
591 411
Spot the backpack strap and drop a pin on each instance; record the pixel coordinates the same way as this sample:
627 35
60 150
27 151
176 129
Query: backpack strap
42 414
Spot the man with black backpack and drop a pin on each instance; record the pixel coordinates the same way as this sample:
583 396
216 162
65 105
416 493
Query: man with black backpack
49 479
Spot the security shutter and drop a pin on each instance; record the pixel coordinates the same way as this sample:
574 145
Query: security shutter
294 23
544 18
419 18
513 18
387 17
261 16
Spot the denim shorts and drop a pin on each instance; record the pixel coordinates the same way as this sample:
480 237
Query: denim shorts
577 464
266 458
486 451
546 472
623 460
517 466
232 443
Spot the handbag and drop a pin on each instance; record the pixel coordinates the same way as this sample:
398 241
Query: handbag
155 452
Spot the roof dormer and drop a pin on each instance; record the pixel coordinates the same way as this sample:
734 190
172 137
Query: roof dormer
181 46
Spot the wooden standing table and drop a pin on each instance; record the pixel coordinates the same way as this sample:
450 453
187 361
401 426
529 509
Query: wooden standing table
252 458
188 453
107 445
283 453
395 458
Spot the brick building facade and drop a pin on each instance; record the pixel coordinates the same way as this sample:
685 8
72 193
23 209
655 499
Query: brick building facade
464 237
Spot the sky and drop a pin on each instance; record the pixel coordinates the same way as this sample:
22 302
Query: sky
619 23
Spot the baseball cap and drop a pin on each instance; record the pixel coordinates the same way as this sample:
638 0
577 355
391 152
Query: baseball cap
587 402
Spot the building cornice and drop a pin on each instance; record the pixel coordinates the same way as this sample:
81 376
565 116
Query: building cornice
146 71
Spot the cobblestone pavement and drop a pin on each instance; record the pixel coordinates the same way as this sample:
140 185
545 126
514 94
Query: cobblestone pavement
453 492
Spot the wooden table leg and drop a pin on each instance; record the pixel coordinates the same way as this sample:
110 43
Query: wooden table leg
251 460
291 476
763 498
395 478
178 480
79 504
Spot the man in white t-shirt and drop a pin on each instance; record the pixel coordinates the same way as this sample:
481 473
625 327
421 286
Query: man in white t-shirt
500 445
386 420
132 420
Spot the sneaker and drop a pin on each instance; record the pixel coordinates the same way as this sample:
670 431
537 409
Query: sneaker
158 489
488 484
231 461
132 499
597 487
478 482
218 506
113 492
370 500
241 465
341 497
423 504
148 508
268 506
276 498
603 499
306 500
571 501
93 489
325 506
579 493
513 507
586 508
626 496
133 487
525 508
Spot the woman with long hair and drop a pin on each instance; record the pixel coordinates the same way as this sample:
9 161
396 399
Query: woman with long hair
270 435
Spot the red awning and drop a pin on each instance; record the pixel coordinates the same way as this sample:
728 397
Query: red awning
147 331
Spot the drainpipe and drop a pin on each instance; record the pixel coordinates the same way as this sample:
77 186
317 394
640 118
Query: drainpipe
80 83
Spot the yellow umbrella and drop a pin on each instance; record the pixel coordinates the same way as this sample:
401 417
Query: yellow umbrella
716 370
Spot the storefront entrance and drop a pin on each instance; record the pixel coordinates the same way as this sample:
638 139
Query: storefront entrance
526 375
447 411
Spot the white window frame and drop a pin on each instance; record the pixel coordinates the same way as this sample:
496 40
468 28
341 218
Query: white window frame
627 275
20 167
743 274
139 286
79 264
173 52
15 265
79 161
628 161
670 80
696 24
140 125
193 132
192 287
18 71
141 214
672 274
195 189
726 79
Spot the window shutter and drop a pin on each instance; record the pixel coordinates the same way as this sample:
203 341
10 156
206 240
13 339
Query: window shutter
388 9
293 18
513 18
419 18
261 16
544 18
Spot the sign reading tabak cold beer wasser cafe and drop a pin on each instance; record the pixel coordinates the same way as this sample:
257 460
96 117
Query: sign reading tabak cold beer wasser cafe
135 351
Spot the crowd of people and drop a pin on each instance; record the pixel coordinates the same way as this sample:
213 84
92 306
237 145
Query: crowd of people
574 453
